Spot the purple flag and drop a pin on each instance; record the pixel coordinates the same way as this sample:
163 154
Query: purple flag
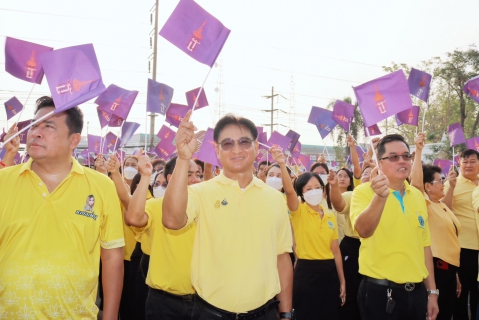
207 151
127 131
383 97
360 153
116 100
73 75
85 154
419 83
165 149
472 88
296 150
21 59
473 143
23 135
115 121
176 113
263 139
373 131
159 97
444 164
294 136
343 114
278 140
120 154
456 134
304 161
323 120
2 153
104 117
191 98
111 142
409 116
94 144
195 32
166 133
260 130
13 107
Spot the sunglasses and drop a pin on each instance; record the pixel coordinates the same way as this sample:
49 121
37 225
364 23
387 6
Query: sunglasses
395 158
243 143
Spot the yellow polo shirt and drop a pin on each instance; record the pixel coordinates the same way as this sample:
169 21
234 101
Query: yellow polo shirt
239 235
444 228
314 235
50 243
396 249
356 181
171 250
348 227
466 214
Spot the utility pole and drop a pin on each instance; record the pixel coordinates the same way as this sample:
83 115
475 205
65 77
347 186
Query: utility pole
155 51
272 109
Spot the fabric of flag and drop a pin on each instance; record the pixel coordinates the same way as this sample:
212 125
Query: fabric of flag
383 97
17 159
164 149
260 130
94 144
116 100
158 97
104 117
410 116
305 161
278 140
22 59
207 151
13 106
457 160
111 142
2 135
372 131
294 136
296 150
192 95
343 114
473 143
115 121
263 140
23 135
127 131
360 153
73 75
120 154
444 164
166 133
323 120
195 32
2 153
176 113
419 83
456 134
472 88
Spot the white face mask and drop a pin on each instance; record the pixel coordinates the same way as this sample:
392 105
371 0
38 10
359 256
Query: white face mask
274 182
324 177
130 173
159 192
313 197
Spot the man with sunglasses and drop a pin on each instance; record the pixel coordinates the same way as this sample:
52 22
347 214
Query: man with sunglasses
395 258
241 252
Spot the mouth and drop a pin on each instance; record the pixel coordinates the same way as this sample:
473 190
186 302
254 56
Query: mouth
34 144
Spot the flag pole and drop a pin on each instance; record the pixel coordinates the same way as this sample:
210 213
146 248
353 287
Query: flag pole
146 125
103 140
372 148
25 104
26 128
119 132
201 90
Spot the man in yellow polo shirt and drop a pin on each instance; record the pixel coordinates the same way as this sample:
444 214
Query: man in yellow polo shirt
243 239
56 219
395 258
170 294
459 200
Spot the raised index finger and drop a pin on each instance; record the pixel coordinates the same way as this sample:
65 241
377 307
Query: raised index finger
187 116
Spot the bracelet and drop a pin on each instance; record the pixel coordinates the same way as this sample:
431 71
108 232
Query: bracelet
3 164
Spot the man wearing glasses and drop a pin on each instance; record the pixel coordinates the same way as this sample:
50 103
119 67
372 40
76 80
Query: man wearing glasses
395 258
241 252
459 200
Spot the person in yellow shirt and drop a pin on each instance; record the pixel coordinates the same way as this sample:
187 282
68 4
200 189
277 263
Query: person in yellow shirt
395 257
319 287
50 247
459 200
241 251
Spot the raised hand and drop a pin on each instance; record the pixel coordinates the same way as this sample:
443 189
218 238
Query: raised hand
332 178
185 138
14 144
100 164
350 141
322 158
113 164
452 178
278 155
420 140
380 183
144 166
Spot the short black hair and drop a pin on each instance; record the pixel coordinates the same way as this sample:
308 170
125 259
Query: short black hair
264 163
169 167
381 147
200 163
74 120
158 161
239 121
303 180
469 152
351 179
319 164
428 173
134 183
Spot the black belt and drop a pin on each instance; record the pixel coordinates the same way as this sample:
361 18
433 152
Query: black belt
408 286
253 314
186 297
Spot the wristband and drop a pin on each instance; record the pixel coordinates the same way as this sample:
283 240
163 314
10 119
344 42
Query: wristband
2 164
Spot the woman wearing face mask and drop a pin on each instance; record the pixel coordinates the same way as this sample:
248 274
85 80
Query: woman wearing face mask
159 185
273 177
130 168
319 287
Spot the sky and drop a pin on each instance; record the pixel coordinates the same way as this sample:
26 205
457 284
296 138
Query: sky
311 52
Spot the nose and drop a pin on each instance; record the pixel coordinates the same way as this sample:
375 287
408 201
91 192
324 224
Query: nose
35 131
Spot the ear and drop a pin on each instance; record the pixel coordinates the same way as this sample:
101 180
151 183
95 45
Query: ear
75 139
217 150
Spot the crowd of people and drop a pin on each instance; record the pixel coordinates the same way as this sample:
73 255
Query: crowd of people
390 238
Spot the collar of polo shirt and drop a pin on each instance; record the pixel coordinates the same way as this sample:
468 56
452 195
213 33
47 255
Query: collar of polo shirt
76 166
225 180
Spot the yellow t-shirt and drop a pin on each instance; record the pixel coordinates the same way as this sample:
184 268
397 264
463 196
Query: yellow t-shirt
239 235
171 250
356 181
396 249
444 228
465 213
348 227
50 243
314 235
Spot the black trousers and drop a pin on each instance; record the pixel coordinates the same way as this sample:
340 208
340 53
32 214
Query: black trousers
127 302
350 253
316 290
410 305
164 307
445 276
468 277
139 287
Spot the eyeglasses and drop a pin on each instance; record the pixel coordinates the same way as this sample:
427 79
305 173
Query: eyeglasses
156 184
440 181
395 158
228 144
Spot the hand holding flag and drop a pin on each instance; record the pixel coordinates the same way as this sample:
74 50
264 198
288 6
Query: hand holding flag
185 138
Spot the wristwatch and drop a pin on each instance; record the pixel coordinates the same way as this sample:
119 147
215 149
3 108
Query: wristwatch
433 292
287 315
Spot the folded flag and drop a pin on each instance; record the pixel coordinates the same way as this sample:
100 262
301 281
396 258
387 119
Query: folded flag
278 140
410 116
13 107
372 131
116 100
343 114
472 88
176 113
192 96
112 142
127 131
473 143
115 121
23 135
419 83
104 117
456 134
159 97
207 151
296 150
294 136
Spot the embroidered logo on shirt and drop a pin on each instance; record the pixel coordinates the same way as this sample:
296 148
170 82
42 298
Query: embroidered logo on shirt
421 221
331 225
224 202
